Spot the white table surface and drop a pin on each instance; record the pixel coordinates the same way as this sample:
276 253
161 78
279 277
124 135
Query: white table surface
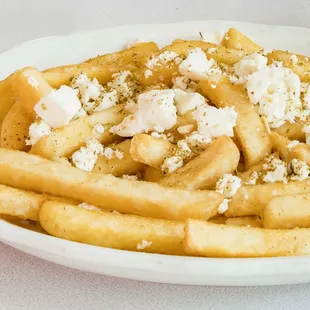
30 283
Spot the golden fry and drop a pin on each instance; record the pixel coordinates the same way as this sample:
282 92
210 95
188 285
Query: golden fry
151 174
118 231
249 221
221 156
213 240
292 131
34 173
250 131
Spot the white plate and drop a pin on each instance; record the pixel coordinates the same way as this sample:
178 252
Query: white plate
48 52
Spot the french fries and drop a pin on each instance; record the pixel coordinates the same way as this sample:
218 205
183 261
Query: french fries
30 172
237 40
119 166
118 231
66 140
301 67
246 175
249 221
286 212
250 131
213 240
151 174
102 67
150 150
23 204
202 172
292 131
251 199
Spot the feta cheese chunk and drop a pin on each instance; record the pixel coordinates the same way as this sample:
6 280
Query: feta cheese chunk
122 85
197 67
184 83
155 112
223 207
37 130
186 102
292 144
213 122
106 100
172 164
277 92
300 170
276 170
228 185
197 141
58 107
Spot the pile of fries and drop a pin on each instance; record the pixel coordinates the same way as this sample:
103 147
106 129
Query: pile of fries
186 188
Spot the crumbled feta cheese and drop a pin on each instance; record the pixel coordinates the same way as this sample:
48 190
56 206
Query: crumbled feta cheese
248 65
276 170
223 207
197 67
172 164
184 83
88 89
58 107
148 73
158 135
130 177
118 154
186 102
87 206
277 91
143 244
106 100
300 170
183 150
33 82
292 144
108 152
294 59
186 129
213 122
86 157
306 130
253 178
98 128
155 110
120 82
37 130
165 57
228 185
198 141
307 97
213 86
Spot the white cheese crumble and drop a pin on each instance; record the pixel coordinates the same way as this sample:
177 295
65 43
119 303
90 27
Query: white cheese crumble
184 83
292 144
37 130
109 153
122 85
197 67
213 122
306 97
276 90
198 141
253 178
87 206
86 157
248 65
165 57
33 82
186 129
186 102
228 185
98 128
130 177
106 100
223 207
143 244
155 112
172 164
300 170
276 170
183 150
58 107
148 73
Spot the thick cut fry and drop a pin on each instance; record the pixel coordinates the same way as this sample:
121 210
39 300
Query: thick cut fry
251 200
165 72
65 140
15 128
249 221
301 67
250 131
248 176
7 98
150 150
285 212
31 172
151 174
237 40
23 204
102 67
118 231
213 240
222 156
292 131
29 86
119 166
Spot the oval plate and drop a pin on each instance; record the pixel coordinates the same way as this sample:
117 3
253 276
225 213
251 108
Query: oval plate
54 51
